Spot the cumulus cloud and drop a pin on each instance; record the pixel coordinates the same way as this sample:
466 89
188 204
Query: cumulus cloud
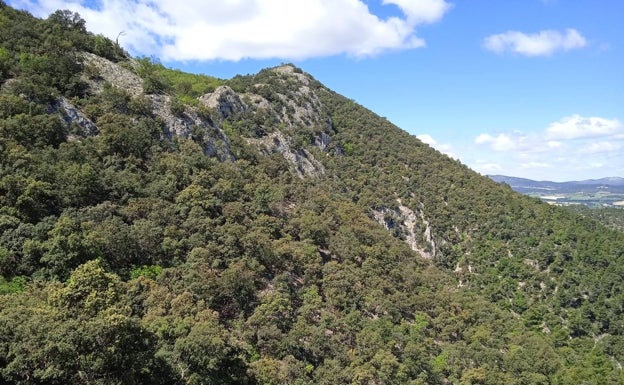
421 11
559 151
601 147
559 136
576 126
485 167
542 43
553 144
529 165
500 142
444 148
259 29
428 139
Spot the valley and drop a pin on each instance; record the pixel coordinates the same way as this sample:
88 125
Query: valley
606 192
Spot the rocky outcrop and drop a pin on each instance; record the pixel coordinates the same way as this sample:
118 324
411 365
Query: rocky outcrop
292 98
322 141
113 73
303 162
256 102
225 101
408 225
188 124
295 105
290 70
82 125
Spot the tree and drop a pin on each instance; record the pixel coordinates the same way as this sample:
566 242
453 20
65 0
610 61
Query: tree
79 332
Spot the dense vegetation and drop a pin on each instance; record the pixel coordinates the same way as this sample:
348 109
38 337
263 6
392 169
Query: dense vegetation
609 216
131 256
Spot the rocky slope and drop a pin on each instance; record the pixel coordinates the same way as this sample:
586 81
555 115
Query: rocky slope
162 227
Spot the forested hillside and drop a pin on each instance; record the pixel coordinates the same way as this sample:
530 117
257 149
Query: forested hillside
609 216
163 227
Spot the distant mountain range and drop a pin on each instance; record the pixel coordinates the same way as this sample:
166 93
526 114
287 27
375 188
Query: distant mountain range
603 191
548 185
610 181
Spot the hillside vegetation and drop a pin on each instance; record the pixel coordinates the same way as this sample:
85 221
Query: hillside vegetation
609 216
162 227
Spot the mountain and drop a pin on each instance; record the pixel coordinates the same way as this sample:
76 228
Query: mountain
609 181
523 182
592 192
164 227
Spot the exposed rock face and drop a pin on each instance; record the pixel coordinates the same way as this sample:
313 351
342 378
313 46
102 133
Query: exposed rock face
256 102
306 106
322 141
73 115
187 124
303 161
288 69
114 74
412 227
294 106
292 99
215 142
225 101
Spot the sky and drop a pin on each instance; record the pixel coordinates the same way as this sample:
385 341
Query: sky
525 88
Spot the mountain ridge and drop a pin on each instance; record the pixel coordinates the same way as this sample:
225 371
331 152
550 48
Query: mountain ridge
264 229
604 192
609 181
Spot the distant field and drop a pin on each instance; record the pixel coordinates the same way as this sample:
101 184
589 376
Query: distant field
587 199
608 192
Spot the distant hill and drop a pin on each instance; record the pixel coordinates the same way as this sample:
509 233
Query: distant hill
523 182
591 192
609 181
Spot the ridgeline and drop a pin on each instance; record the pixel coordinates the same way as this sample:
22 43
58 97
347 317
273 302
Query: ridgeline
164 227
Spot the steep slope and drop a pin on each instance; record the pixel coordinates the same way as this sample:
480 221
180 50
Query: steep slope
161 227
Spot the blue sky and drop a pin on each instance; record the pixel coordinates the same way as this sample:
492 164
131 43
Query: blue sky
528 88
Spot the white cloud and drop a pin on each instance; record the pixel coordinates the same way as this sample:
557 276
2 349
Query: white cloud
573 148
428 139
576 126
553 144
484 167
601 147
421 11
535 165
500 142
260 29
442 147
542 43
